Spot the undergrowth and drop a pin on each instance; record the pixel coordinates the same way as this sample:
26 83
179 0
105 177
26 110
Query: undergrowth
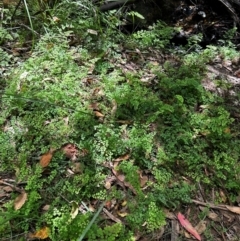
175 132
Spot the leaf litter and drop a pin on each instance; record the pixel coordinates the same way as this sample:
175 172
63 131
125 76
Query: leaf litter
73 153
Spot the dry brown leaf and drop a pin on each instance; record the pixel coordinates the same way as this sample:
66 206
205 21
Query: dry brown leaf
201 227
20 200
98 114
108 204
123 157
74 211
143 180
46 207
114 107
69 172
91 208
122 214
43 233
107 185
89 80
96 91
92 31
108 182
71 151
169 215
119 176
213 216
46 158
233 209
9 2
94 106
222 195
124 122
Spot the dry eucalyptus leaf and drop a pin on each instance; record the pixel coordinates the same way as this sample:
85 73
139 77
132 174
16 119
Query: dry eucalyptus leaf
143 180
108 204
169 215
43 233
107 185
94 106
114 107
188 226
122 214
213 216
91 208
92 31
70 172
201 227
46 207
108 182
20 200
98 114
46 158
233 209
122 158
187 235
221 193
74 211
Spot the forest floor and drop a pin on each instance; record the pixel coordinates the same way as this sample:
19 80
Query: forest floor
134 155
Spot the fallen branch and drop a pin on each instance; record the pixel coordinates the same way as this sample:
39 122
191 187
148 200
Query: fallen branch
210 205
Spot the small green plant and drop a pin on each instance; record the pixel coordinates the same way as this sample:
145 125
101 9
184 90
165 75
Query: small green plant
155 217
158 36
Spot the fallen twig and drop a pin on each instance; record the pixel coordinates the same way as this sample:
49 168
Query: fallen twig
12 186
219 207
111 216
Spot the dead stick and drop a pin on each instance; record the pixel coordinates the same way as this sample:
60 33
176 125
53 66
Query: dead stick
111 216
220 207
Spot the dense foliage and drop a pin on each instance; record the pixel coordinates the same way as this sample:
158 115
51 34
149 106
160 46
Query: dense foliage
76 86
